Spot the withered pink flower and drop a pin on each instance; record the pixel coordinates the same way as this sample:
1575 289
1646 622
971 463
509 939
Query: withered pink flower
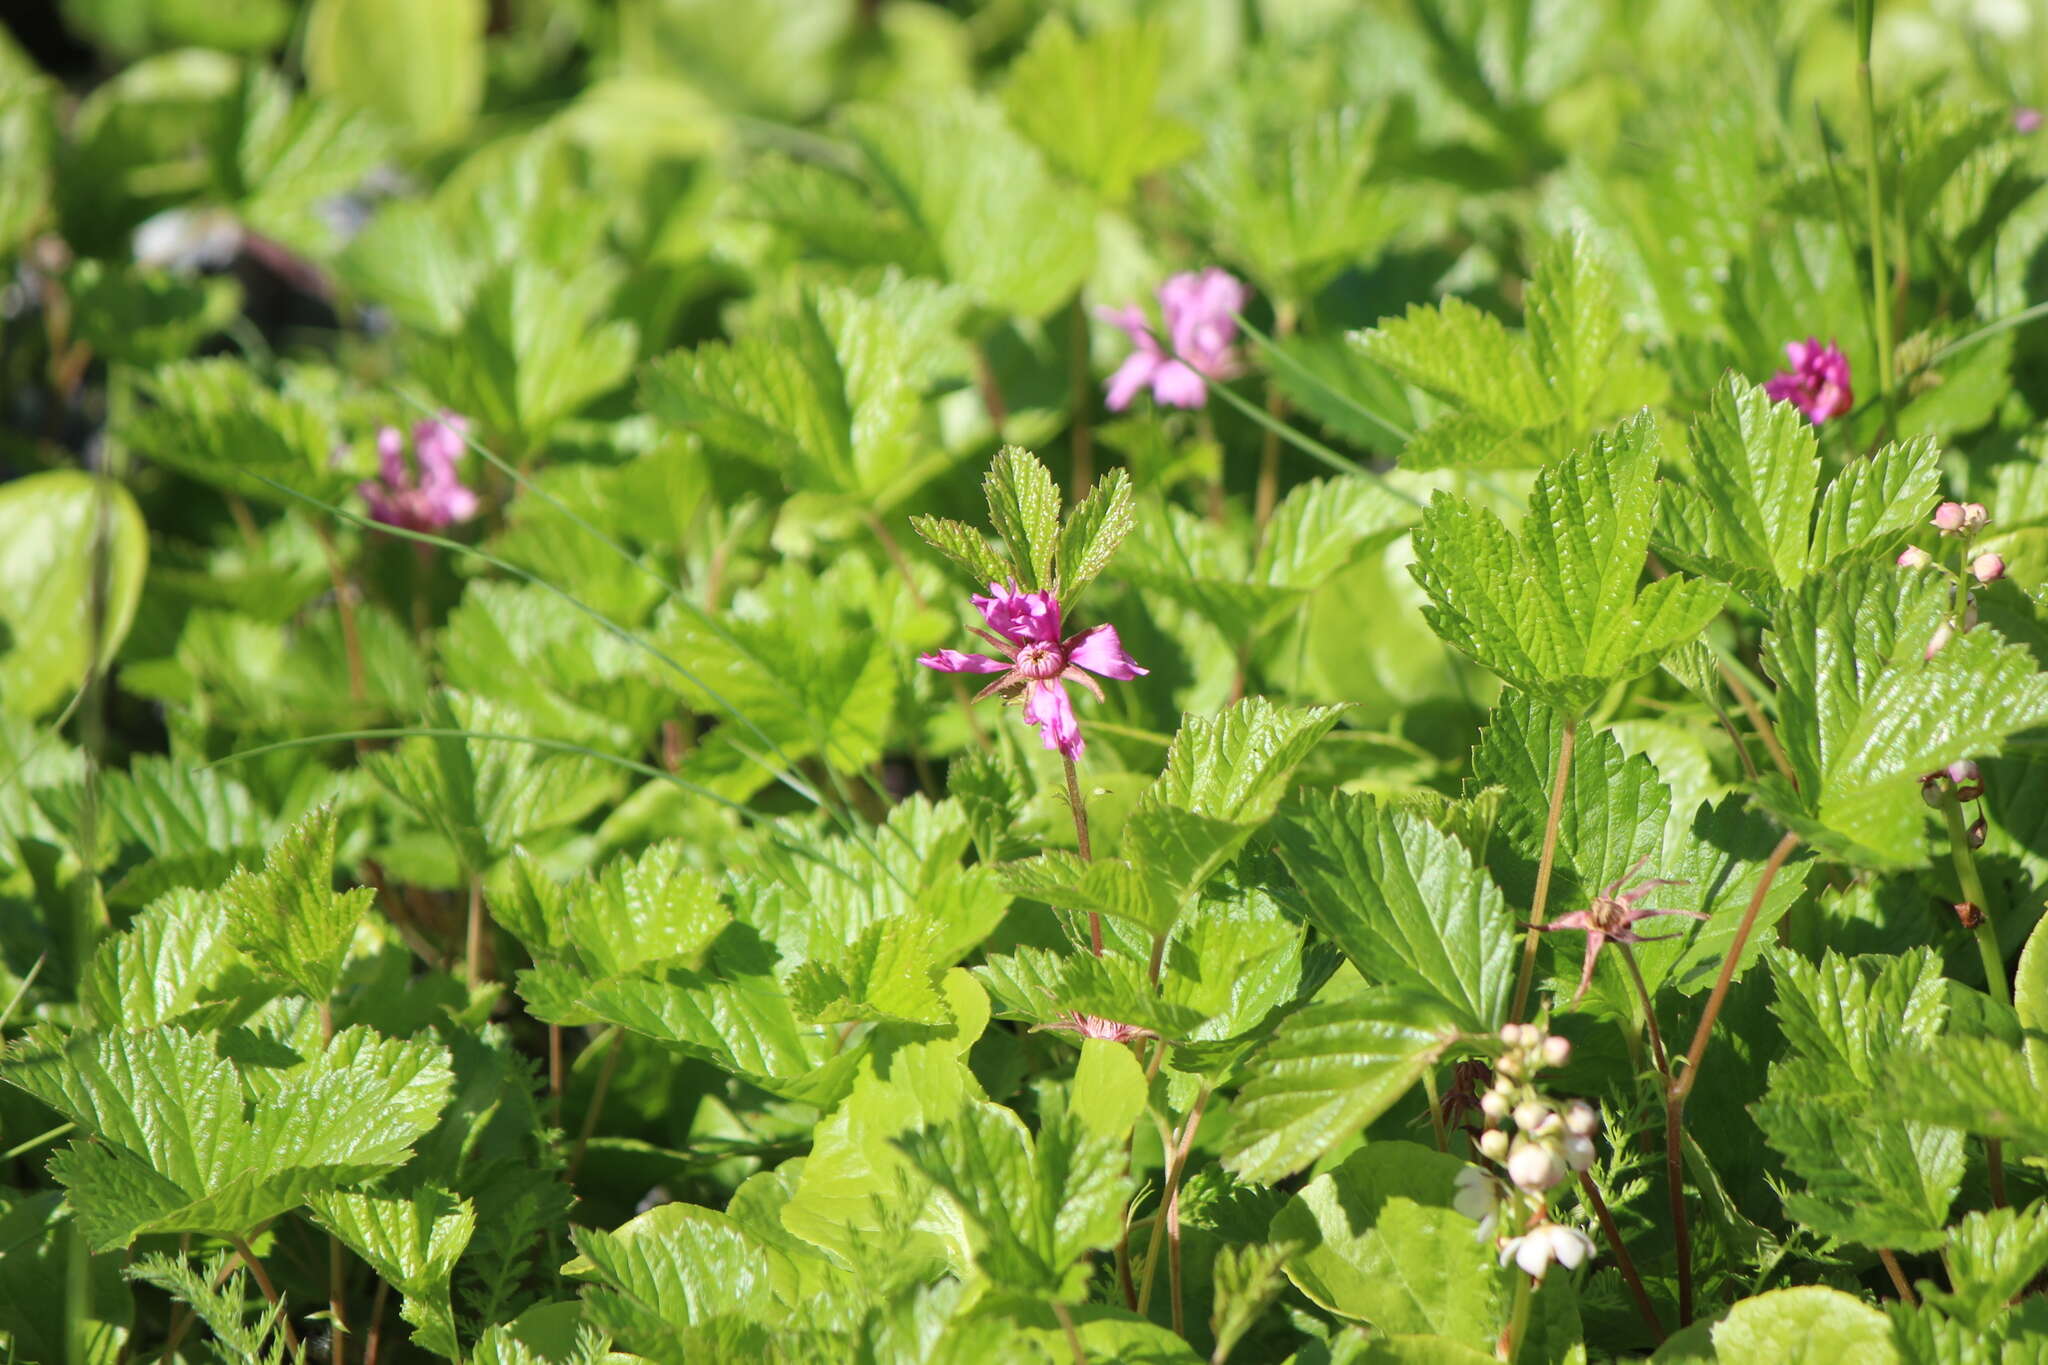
1200 312
1818 382
1037 664
426 493
1094 1026
1612 917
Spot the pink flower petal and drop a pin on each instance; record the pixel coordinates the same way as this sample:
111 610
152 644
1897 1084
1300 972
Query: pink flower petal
1021 617
1177 385
1098 650
1047 706
1130 378
953 661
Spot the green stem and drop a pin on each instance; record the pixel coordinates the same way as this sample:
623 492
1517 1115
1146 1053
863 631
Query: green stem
1518 1321
1539 903
1973 892
1080 810
1881 315
473 940
597 1097
1436 1112
1649 1014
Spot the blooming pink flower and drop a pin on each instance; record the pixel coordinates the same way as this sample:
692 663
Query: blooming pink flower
1037 663
2026 119
426 494
1199 309
1818 381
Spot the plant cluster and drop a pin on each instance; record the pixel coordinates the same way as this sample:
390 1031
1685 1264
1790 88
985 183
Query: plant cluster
1122 680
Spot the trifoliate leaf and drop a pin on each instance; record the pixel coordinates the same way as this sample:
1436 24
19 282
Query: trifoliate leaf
1328 1072
1024 508
1863 714
985 208
412 1240
1088 104
173 1146
288 919
1036 1204
1404 902
1745 511
1556 612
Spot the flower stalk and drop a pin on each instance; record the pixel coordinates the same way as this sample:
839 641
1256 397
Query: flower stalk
1538 903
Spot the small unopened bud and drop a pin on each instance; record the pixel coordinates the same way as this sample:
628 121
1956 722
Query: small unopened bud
1556 1051
1529 1115
1970 913
1913 557
1976 832
1533 1168
1582 1118
1494 1144
1969 779
1987 568
1493 1105
1975 518
1943 633
1505 1085
1948 518
1931 791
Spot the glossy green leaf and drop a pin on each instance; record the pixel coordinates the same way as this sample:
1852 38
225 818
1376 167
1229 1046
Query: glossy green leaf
418 67
1088 104
59 532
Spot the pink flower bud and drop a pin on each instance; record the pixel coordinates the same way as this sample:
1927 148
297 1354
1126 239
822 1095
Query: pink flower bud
1556 1051
1964 770
1987 568
1948 518
1913 557
1582 1118
1578 1152
1493 1105
1493 1143
1975 518
1529 1115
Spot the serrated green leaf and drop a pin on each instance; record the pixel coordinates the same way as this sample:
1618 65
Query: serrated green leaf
889 972
1468 359
1991 1257
172 1149
1983 1086
167 965
985 210
672 1269
1575 333
1863 714
965 546
412 1241
1093 531
1088 104
288 919
1024 507
1328 1072
826 394
1037 1204
419 68
1381 1244
215 421
1557 612
1106 886
1109 1089
1809 1325
1404 902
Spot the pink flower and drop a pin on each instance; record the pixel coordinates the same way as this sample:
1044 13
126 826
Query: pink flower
1037 663
2026 119
1612 917
426 494
1199 309
1818 381
1094 1026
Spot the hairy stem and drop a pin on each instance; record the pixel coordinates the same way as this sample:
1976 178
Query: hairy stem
1681 1085
1538 903
1080 810
1899 1282
1081 396
1623 1262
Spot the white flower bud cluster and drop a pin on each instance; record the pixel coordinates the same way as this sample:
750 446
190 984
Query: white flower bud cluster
1537 1143
1960 521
